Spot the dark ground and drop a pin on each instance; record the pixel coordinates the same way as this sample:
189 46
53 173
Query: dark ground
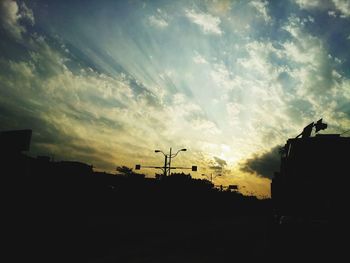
176 239
166 239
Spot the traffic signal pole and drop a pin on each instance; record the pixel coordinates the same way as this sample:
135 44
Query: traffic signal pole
166 169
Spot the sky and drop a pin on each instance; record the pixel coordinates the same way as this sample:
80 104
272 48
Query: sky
109 82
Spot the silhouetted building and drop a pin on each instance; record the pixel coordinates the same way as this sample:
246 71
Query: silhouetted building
12 160
43 158
74 168
312 173
15 141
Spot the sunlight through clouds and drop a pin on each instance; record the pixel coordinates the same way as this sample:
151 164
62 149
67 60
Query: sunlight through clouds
208 23
228 80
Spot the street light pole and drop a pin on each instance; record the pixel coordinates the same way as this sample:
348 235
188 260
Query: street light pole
211 176
167 163
167 160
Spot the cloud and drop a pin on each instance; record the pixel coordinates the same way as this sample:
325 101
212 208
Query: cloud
73 109
342 6
221 7
233 111
12 16
208 23
332 13
69 110
157 22
220 162
264 164
120 92
313 67
199 59
26 14
262 8
262 56
308 4
219 165
221 76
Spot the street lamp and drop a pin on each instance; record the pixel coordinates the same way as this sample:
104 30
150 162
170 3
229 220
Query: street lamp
167 159
167 163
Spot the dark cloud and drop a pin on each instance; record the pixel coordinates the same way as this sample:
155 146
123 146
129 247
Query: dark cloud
219 165
220 162
48 139
263 164
43 132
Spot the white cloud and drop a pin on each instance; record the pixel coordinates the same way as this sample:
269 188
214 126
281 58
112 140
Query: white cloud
258 60
312 69
233 111
157 22
262 8
307 4
11 16
221 76
206 126
342 6
208 23
303 48
101 111
199 59
311 19
332 13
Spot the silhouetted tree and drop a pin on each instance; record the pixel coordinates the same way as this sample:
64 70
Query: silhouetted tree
126 171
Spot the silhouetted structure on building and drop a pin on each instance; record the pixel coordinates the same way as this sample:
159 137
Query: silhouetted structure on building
310 180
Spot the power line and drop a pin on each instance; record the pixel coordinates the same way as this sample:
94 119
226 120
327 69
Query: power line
345 132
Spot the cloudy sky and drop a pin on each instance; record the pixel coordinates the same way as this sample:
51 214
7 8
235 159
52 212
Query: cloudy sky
108 82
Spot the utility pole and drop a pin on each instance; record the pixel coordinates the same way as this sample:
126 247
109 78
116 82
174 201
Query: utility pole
165 165
211 176
166 169
170 160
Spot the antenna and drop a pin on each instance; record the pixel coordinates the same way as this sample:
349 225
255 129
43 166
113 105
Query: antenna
319 125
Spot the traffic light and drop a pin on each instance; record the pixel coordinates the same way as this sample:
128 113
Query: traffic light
320 126
194 168
137 166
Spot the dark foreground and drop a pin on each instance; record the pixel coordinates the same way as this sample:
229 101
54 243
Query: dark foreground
60 224
56 214
166 239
